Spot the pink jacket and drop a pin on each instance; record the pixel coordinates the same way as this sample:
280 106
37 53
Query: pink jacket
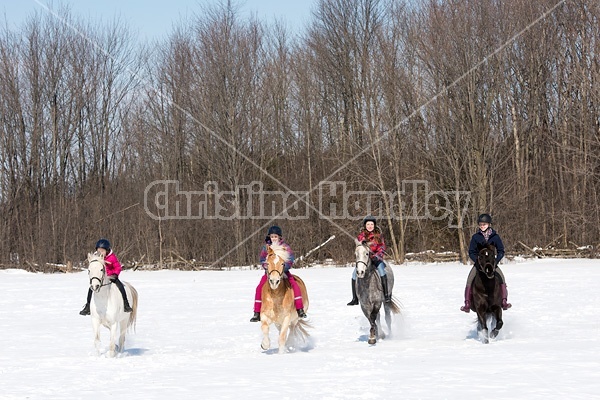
113 266
376 242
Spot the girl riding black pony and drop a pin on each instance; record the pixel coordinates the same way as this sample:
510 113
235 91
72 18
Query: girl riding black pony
484 236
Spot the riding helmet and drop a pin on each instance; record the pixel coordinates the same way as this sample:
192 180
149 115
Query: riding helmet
274 230
369 218
103 244
486 218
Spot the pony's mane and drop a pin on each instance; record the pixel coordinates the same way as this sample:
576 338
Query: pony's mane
95 257
280 252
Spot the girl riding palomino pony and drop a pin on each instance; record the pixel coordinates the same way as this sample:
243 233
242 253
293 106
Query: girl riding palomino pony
483 237
278 306
371 235
113 269
275 237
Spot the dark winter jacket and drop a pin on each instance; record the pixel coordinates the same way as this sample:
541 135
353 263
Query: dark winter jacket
478 242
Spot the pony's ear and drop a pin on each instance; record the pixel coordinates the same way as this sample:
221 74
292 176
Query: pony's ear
357 242
493 248
90 256
269 250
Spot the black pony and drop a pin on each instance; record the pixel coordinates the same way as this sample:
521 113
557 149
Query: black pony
487 295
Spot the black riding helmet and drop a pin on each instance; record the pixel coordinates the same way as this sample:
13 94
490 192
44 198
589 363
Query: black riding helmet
103 244
369 218
486 218
275 230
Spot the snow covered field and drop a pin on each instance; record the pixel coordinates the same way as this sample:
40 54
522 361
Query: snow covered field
194 339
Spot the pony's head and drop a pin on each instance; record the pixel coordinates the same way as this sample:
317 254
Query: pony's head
362 258
276 258
96 271
487 260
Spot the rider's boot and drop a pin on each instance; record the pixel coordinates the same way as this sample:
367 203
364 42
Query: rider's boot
126 306
301 313
505 304
354 300
386 294
256 317
86 308
467 307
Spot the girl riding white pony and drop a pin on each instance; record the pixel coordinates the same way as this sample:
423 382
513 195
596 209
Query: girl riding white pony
107 307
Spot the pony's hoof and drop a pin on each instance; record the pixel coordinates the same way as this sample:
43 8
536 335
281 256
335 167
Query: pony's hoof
265 345
494 333
372 341
483 336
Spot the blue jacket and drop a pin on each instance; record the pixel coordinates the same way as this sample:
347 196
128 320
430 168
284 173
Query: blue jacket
478 242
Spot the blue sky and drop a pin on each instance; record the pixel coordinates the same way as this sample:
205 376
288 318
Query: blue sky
153 19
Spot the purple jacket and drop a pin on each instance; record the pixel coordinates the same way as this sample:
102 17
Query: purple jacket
264 253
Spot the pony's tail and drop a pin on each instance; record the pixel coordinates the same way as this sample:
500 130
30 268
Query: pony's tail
394 306
134 306
300 330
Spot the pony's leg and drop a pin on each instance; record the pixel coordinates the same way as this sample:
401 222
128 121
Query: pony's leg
113 339
380 333
264 326
122 333
373 332
482 330
96 330
388 318
283 333
499 323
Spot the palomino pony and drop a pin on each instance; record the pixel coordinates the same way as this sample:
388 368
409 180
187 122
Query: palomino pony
487 296
278 302
107 305
370 292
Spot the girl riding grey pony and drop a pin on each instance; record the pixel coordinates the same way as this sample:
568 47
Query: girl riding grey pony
371 235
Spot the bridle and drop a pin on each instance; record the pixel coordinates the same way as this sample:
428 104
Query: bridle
274 267
367 263
482 266
100 281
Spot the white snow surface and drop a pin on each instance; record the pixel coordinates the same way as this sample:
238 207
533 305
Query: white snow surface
194 340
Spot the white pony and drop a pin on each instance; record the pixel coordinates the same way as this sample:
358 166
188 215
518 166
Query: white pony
107 305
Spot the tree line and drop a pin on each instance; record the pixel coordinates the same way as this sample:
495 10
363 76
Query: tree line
424 114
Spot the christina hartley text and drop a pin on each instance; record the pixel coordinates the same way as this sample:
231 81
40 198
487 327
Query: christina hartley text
164 199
